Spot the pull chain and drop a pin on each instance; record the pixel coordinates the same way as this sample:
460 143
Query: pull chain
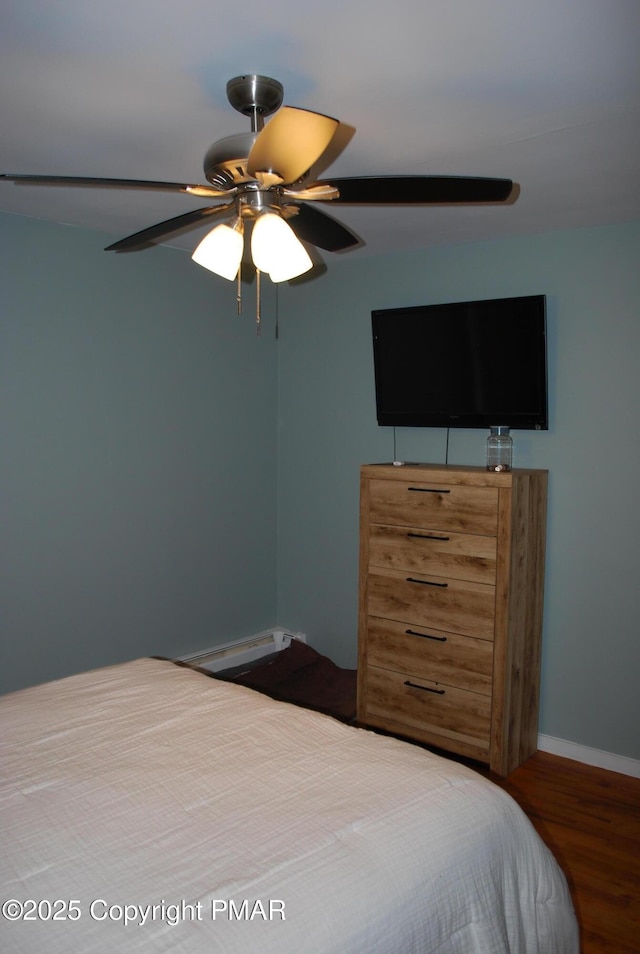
239 291
258 302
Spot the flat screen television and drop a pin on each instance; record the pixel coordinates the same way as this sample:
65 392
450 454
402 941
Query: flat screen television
462 364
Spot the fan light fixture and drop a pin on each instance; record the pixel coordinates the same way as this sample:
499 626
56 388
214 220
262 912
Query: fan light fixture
275 249
221 250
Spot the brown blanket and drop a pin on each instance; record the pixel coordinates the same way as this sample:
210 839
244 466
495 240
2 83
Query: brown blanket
301 675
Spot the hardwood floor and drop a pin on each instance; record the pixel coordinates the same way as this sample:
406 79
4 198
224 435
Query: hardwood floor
590 818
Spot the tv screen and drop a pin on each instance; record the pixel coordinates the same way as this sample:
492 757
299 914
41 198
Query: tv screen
464 364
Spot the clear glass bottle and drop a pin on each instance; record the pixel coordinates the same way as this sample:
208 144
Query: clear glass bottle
499 449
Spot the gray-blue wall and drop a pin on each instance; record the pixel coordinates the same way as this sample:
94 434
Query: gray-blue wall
159 463
137 456
591 649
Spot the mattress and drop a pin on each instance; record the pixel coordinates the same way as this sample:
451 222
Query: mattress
146 807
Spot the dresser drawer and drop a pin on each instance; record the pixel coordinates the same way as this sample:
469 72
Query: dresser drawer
431 654
458 606
426 705
438 505
463 556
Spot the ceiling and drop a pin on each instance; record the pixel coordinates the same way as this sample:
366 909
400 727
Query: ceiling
545 92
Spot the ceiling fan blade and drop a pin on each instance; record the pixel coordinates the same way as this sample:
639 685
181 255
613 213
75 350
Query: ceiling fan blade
341 139
200 190
145 237
317 227
290 144
418 190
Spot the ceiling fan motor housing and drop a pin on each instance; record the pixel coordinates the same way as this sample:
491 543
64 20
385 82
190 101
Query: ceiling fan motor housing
225 164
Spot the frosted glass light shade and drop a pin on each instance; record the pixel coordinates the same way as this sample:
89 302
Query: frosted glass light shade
276 250
221 251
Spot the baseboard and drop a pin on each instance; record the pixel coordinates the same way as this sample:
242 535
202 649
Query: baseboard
241 651
582 753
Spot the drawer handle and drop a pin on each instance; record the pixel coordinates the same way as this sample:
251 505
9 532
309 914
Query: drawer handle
428 490
427 536
414 685
412 579
439 639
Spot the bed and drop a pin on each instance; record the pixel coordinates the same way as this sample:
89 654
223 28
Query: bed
146 807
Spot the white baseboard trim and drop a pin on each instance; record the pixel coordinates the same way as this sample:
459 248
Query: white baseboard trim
242 651
582 753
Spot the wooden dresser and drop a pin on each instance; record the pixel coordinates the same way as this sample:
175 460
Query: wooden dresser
450 607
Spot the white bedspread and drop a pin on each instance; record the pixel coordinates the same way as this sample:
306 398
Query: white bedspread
150 793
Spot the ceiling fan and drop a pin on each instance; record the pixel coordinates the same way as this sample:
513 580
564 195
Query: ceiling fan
268 177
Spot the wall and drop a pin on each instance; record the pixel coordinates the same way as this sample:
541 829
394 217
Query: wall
137 456
591 650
